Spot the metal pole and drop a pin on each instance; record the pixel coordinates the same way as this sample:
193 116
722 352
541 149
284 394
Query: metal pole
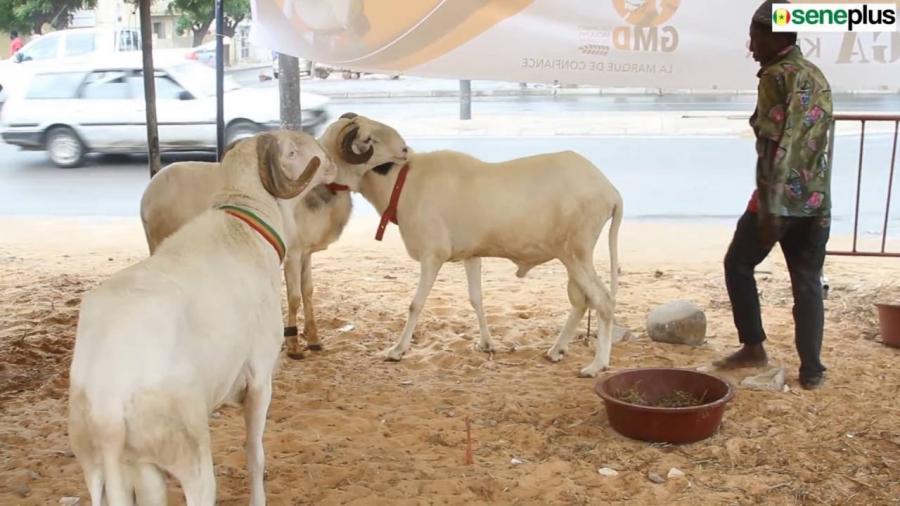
149 87
220 80
465 99
289 92
887 206
862 143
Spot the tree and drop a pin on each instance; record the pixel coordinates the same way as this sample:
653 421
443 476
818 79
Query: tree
30 16
198 15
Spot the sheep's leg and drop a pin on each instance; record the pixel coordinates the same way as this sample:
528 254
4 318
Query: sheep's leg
603 348
293 270
93 476
473 278
197 476
256 405
149 485
600 300
427 276
306 289
579 307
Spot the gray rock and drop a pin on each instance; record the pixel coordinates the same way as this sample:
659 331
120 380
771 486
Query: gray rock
655 478
677 322
22 490
770 379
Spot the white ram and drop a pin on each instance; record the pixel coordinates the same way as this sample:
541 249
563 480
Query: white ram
183 190
454 207
163 343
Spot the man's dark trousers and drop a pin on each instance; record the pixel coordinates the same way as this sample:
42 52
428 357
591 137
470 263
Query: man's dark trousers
803 242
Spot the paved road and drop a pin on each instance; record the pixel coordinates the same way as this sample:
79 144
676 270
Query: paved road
675 178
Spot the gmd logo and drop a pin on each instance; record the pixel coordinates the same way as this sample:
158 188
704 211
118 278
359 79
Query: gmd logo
646 29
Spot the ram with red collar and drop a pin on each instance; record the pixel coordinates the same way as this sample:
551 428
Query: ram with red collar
450 206
182 190
162 344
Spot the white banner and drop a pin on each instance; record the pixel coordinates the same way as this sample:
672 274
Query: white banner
669 44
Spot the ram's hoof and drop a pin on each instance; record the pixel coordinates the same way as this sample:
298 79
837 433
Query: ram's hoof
295 355
315 346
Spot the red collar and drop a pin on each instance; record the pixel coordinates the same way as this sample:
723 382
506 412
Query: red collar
334 188
391 212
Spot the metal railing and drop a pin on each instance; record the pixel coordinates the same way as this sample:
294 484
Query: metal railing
863 119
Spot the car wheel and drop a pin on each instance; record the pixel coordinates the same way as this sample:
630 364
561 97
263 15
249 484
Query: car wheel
322 73
241 130
64 147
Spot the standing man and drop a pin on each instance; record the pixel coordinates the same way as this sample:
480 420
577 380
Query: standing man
15 43
792 201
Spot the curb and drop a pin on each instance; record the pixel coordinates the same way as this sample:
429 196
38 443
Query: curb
562 92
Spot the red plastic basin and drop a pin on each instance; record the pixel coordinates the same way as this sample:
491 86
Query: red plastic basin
662 424
889 321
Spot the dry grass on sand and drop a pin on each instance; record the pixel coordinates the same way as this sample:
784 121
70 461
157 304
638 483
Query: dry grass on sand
347 428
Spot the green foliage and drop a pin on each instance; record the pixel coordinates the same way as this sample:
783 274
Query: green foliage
198 15
29 16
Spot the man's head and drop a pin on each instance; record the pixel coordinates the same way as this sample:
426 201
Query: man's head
764 43
13 34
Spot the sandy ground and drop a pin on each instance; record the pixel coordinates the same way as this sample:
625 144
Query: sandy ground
347 428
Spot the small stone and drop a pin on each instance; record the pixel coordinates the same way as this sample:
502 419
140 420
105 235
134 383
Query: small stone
516 461
406 383
658 274
606 471
677 322
655 478
347 328
69 501
22 490
675 473
771 379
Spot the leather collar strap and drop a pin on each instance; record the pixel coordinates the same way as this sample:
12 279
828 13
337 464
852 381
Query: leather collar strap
261 227
335 187
391 212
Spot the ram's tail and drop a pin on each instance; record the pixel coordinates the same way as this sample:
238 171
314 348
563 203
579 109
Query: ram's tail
614 249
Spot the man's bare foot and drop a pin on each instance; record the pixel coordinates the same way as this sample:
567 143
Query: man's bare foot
750 355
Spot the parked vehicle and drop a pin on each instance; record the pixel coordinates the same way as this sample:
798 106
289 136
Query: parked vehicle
98 107
73 45
206 53
306 66
79 42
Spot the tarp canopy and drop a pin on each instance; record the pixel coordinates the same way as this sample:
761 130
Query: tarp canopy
669 44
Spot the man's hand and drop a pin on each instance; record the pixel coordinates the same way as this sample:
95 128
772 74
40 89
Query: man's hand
769 228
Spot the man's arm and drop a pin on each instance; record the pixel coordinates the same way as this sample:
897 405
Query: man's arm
772 111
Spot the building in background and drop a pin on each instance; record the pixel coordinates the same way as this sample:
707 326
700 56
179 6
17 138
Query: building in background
165 30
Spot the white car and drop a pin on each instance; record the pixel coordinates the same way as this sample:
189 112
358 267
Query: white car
79 42
99 107
66 46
